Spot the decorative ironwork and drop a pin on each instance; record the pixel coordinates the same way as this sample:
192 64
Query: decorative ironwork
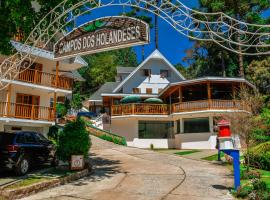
231 34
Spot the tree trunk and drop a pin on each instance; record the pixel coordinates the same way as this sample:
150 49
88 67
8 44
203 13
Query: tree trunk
241 63
156 26
156 31
143 56
223 67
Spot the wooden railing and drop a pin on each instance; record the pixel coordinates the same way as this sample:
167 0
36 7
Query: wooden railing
164 109
140 109
209 105
44 78
26 111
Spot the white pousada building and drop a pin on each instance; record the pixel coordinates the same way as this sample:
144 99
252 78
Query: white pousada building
185 119
28 103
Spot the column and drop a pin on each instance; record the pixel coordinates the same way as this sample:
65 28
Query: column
8 100
209 94
180 94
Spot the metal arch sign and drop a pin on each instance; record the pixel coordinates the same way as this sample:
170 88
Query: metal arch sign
103 34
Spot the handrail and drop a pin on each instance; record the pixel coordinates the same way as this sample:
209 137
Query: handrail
163 109
44 78
26 111
106 135
140 108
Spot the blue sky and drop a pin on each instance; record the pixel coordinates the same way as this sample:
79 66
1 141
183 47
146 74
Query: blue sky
171 43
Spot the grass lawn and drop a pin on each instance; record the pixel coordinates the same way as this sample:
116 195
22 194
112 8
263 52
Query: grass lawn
213 157
181 153
28 181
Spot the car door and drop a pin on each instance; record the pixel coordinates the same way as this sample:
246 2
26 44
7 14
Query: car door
44 146
33 148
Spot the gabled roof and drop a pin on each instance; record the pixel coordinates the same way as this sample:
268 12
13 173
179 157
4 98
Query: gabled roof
45 53
125 70
106 88
155 55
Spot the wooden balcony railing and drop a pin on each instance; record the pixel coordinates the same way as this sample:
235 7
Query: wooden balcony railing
140 109
209 105
163 109
46 79
26 111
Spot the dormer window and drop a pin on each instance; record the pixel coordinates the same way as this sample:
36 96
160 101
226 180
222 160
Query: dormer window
164 73
147 72
136 91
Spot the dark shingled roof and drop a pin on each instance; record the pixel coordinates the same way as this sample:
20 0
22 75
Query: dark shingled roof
125 70
106 88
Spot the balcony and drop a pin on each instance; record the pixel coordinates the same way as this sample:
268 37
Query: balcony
26 111
164 109
140 109
45 79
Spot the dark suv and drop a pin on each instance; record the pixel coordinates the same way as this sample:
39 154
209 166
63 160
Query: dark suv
21 150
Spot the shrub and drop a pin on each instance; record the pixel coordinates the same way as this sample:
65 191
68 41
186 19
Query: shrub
73 140
53 133
152 147
61 110
250 174
243 192
260 156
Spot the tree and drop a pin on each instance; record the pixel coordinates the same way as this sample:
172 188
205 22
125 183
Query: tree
73 140
243 123
217 57
258 72
76 102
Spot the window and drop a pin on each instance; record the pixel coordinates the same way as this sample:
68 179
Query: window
148 90
136 90
155 129
196 125
178 123
20 138
40 138
29 138
147 72
164 73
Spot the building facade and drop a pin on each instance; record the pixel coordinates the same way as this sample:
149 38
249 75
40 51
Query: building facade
187 115
29 101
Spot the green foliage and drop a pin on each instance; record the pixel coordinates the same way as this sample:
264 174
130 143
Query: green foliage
61 109
53 133
261 133
115 140
259 156
152 146
207 58
76 102
73 140
259 73
102 68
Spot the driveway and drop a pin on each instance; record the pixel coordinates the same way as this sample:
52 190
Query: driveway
135 174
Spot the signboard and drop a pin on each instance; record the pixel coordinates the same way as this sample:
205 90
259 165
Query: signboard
103 34
77 162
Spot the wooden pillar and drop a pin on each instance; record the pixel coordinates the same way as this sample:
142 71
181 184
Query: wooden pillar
9 100
209 93
57 74
54 105
180 94
170 104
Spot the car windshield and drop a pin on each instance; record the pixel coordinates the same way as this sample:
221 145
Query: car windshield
6 138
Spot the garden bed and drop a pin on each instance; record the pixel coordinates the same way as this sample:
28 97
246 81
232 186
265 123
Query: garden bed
41 181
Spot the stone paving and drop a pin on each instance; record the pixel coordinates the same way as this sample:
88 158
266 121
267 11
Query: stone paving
123 173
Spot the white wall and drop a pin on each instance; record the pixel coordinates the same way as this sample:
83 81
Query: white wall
155 82
157 143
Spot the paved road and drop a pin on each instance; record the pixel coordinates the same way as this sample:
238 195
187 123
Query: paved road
123 173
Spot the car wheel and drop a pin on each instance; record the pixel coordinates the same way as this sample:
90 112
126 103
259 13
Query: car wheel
23 167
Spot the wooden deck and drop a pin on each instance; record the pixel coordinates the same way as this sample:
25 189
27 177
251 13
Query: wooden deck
26 111
46 79
164 109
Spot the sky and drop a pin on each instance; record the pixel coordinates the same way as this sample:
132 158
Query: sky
171 43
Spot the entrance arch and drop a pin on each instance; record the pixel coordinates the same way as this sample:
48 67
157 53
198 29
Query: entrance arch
218 27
